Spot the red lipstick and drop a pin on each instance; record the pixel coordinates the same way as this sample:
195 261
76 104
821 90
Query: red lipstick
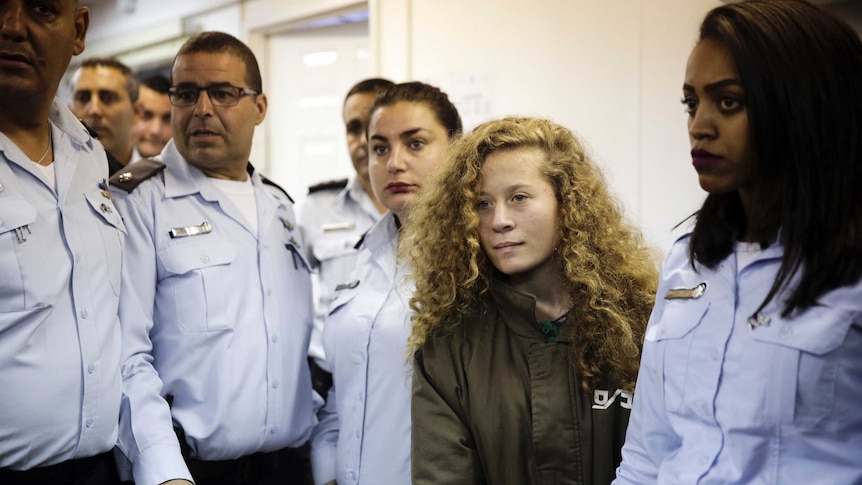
398 187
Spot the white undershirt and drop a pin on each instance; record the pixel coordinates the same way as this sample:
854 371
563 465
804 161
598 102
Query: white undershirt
48 175
746 252
242 196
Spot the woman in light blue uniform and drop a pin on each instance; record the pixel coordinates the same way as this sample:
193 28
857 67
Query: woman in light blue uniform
364 430
752 366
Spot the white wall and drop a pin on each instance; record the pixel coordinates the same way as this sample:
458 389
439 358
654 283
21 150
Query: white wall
609 70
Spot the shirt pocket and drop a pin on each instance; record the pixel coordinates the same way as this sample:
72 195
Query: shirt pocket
815 353
199 281
15 212
674 334
112 233
336 314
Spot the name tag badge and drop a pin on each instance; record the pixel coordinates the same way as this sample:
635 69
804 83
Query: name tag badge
686 293
203 228
338 226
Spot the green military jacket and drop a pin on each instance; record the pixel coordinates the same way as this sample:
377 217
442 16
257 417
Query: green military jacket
495 402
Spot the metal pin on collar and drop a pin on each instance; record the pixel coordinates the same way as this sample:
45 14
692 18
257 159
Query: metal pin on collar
759 319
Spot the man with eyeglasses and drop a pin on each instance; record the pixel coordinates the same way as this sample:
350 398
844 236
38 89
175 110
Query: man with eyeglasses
216 297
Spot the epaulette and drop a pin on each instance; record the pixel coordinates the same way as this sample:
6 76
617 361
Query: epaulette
273 184
134 173
329 185
250 169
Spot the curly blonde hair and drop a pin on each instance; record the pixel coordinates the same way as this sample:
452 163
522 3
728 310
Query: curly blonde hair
610 272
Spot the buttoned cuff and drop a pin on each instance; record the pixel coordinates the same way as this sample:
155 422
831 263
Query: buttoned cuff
160 463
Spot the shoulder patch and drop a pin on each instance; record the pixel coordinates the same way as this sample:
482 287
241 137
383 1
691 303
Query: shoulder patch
134 173
329 185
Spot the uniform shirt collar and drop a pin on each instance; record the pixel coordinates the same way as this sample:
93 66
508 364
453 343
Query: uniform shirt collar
381 233
183 178
63 119
354 191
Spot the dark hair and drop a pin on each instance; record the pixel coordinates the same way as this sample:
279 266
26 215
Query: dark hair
418 92
113 63
157 83
220 42
372 85
801 70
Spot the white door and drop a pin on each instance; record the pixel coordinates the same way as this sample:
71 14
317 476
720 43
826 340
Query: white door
309 74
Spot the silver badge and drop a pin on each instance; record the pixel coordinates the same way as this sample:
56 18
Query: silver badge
203 228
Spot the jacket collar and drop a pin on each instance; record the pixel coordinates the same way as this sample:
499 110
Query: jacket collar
518 310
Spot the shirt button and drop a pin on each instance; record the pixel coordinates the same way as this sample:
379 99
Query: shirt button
360 397
269 292
77 258
786 332
704 460
351 476
205 259
89 422
91 368
274 338
84 314
273 430
275 385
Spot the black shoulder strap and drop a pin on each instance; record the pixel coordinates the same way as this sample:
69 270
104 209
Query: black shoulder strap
250 169
134 173
328 185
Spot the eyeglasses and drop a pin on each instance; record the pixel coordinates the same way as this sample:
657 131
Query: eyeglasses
219 94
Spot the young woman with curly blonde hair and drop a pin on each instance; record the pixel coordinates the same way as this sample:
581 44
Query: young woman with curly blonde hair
532 296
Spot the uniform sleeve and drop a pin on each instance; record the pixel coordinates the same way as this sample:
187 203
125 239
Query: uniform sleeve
324 440
442 450
146 433
650 437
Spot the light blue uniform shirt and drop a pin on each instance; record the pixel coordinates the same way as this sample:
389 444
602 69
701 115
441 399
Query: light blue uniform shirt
364 430
60 262
332 221
219 320
722 400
